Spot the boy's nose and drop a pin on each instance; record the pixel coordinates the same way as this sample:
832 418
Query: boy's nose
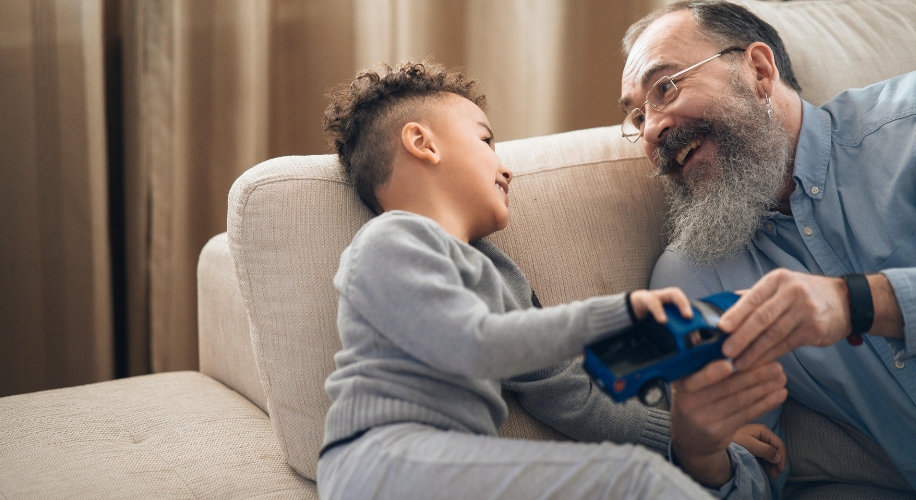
506 173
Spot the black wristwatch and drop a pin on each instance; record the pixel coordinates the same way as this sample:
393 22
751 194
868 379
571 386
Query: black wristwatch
861 307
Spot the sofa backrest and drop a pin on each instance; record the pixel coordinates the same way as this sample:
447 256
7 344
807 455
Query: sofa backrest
841 44
586 218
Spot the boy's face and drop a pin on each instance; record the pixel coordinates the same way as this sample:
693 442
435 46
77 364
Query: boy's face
475 176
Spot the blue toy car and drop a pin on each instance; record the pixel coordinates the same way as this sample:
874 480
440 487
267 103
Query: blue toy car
640 360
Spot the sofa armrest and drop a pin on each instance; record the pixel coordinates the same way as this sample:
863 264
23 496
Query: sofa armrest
223 334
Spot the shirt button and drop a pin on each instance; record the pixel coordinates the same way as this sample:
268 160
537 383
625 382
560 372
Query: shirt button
769 226
808 231
899 364
815 190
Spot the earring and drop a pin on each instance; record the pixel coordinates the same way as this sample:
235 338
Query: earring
769 107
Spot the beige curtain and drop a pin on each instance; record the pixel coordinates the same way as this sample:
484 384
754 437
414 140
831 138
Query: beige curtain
55 295
195 114
210 88
218 86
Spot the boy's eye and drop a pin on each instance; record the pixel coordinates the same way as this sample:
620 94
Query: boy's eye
488 140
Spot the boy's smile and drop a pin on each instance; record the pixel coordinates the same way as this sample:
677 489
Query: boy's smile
503 185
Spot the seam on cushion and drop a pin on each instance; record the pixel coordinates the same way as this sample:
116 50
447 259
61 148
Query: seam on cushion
280 428
295 409
263 493
141 443
249 191
274 179
574 165
267 182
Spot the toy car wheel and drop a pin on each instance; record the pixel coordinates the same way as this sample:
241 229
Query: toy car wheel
652 393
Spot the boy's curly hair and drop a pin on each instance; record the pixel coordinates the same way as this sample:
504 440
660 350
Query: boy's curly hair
364 118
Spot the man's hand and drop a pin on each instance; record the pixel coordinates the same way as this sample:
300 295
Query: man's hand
710 406
782 311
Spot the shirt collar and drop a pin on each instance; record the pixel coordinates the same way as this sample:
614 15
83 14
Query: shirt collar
812 154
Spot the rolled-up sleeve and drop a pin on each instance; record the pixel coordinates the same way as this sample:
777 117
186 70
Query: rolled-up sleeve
903 281
748 479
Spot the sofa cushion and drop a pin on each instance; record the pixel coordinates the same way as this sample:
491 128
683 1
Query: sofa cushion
586 217
289 219
169 435
224 338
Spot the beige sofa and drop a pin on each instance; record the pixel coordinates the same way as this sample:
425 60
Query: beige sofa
585 220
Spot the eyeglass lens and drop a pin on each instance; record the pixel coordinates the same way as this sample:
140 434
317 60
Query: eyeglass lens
660 95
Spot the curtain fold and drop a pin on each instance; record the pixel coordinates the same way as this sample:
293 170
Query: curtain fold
55 295
197 97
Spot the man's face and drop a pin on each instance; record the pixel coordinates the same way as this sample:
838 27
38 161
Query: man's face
723 159
669 45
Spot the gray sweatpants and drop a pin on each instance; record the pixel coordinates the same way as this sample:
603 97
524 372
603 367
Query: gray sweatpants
414 461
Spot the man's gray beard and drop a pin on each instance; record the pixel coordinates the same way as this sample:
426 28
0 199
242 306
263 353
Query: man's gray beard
716 218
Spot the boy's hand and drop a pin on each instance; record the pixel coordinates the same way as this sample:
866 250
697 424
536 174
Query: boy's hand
763 444
653 301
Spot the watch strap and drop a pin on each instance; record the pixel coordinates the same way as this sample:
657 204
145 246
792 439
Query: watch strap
861 307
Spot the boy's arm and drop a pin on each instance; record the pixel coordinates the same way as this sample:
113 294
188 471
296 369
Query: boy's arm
565 398
400 277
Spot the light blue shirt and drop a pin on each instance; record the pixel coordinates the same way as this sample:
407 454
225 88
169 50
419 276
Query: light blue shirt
854 211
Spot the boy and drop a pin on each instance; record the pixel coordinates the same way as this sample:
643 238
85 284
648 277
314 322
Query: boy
431 324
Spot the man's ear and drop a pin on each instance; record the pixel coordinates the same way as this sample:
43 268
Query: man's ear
418 141
763 64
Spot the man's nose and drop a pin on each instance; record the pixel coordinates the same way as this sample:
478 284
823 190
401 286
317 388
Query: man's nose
656 125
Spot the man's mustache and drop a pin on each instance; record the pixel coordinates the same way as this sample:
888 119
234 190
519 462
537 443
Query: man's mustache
677 139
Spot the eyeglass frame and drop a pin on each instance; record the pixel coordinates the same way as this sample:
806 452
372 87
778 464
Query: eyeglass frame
677 91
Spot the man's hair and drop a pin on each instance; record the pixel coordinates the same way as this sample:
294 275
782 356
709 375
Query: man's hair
364 118
726 24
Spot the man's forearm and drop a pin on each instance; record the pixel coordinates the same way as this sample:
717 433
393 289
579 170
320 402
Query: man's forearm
888 320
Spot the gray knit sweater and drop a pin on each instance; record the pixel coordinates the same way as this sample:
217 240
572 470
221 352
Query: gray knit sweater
432 328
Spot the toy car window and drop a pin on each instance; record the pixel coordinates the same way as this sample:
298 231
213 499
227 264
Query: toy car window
701 336
636 348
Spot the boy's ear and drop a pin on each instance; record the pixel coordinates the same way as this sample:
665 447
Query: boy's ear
418 141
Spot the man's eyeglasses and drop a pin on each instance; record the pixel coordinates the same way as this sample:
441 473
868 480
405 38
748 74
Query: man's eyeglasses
659 95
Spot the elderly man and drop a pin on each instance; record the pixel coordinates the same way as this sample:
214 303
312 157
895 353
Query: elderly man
814 208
